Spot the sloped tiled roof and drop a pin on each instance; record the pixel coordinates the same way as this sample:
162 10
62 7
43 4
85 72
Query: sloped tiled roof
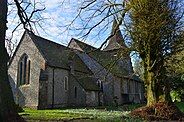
110 62
85 47
54 54
57 55
117 41
88 83
133 77
105 58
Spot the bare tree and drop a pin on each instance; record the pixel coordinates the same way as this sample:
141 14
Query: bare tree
7 106
96 16
25 15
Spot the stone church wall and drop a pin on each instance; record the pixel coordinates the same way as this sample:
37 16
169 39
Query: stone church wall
56 76
117 92
79 98
92 98
26 95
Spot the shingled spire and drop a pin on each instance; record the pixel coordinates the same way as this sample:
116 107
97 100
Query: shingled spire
117 40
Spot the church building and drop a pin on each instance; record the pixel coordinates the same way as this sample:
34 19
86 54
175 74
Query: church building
44 74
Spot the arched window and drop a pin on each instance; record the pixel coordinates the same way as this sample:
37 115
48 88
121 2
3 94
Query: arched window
75 92
28 71
100 84
24 70
66 83
20 73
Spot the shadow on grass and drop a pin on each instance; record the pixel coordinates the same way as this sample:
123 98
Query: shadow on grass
125 107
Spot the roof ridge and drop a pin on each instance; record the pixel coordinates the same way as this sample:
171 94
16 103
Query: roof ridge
83 42
50 41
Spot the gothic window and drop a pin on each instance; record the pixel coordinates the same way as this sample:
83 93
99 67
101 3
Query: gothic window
28 71
100 84
20 73
71 65
136 87
66 83
24 70
128 86
75 92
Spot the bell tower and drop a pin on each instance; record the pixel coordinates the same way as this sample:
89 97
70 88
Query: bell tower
116 41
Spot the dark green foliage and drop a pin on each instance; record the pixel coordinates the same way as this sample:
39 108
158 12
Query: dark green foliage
154 27
180 105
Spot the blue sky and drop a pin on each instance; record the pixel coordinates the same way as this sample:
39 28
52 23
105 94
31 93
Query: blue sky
56 16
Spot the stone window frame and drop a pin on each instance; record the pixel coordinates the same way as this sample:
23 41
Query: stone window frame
24 70
66 83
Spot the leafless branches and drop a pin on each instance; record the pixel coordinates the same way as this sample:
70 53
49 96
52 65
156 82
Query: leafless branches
29 18
23 16
96 16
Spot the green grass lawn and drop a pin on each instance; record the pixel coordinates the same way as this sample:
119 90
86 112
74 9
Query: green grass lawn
31 114
112 114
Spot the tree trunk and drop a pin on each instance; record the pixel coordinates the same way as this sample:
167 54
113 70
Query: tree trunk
150 95
159 105
7 104
150 85
158 89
